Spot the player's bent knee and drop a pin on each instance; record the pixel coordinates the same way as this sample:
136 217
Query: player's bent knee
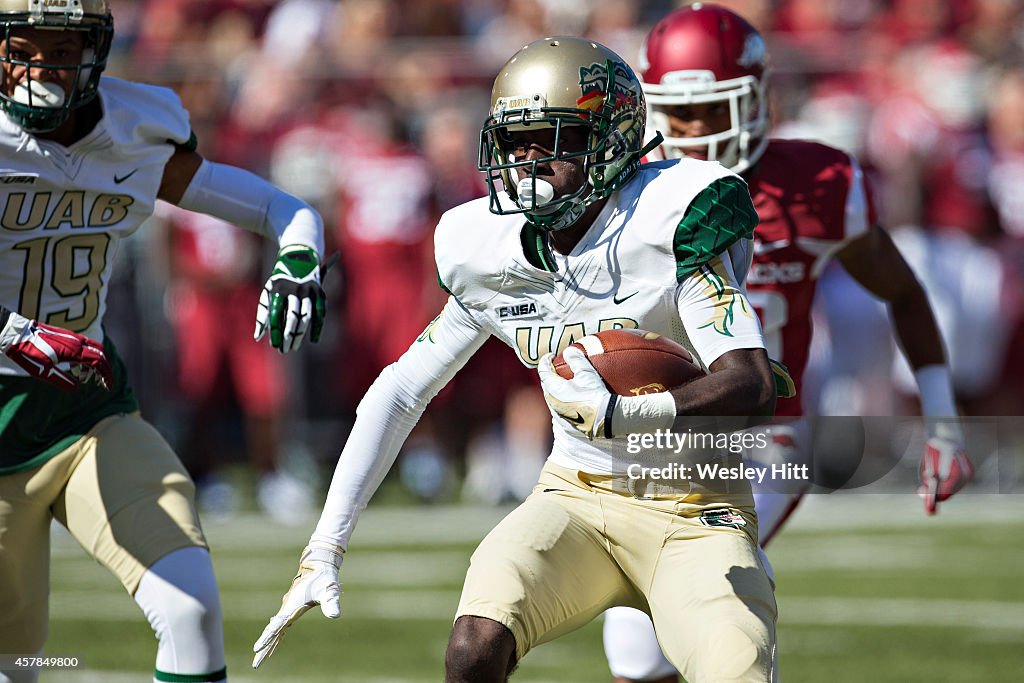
632 648
479 649
179 597
190 612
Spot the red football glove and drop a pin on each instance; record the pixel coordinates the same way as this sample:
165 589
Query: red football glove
54 355
945 467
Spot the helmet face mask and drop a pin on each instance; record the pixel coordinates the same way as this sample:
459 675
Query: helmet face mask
26 102
499 160
704 54
562 84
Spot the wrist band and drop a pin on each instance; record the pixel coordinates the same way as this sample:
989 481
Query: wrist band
935 385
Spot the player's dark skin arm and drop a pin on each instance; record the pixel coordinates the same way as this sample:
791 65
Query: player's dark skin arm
178 173
740 383
737 394
875 262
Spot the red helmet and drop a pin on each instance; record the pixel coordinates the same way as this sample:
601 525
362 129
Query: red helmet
705 53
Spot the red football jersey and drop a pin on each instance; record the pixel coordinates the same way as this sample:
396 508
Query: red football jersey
811 200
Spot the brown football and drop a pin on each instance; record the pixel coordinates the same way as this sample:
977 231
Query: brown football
634 362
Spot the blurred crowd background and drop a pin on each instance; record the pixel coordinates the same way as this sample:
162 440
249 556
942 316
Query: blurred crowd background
370 110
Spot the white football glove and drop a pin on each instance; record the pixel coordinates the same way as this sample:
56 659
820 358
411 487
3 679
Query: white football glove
315 584
586 403
945 466
583 401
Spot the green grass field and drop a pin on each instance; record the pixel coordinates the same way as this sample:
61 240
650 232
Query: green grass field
869 589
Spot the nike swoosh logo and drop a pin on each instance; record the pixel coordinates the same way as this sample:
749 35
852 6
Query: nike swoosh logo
118 181
617 300
579 419
766 247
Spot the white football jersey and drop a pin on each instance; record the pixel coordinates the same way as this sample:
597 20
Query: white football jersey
647 260
64 210
656 258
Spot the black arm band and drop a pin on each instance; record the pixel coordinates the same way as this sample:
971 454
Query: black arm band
612 402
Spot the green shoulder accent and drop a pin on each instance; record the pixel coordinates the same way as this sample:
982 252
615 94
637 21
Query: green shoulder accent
442 285
190 678
535 247
717 218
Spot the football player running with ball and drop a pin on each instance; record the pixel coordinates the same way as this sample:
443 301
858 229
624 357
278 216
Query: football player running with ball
85 158
577 237
704 72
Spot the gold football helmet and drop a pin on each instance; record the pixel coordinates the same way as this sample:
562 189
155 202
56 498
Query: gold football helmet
30 108
556 82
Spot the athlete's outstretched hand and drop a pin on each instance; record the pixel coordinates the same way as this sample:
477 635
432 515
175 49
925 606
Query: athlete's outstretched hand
315 584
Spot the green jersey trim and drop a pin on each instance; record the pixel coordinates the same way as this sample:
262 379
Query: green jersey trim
442 285
535 248
38 421
721 215
190 145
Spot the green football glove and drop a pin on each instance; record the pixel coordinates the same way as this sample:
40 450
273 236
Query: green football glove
315 584
292 301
